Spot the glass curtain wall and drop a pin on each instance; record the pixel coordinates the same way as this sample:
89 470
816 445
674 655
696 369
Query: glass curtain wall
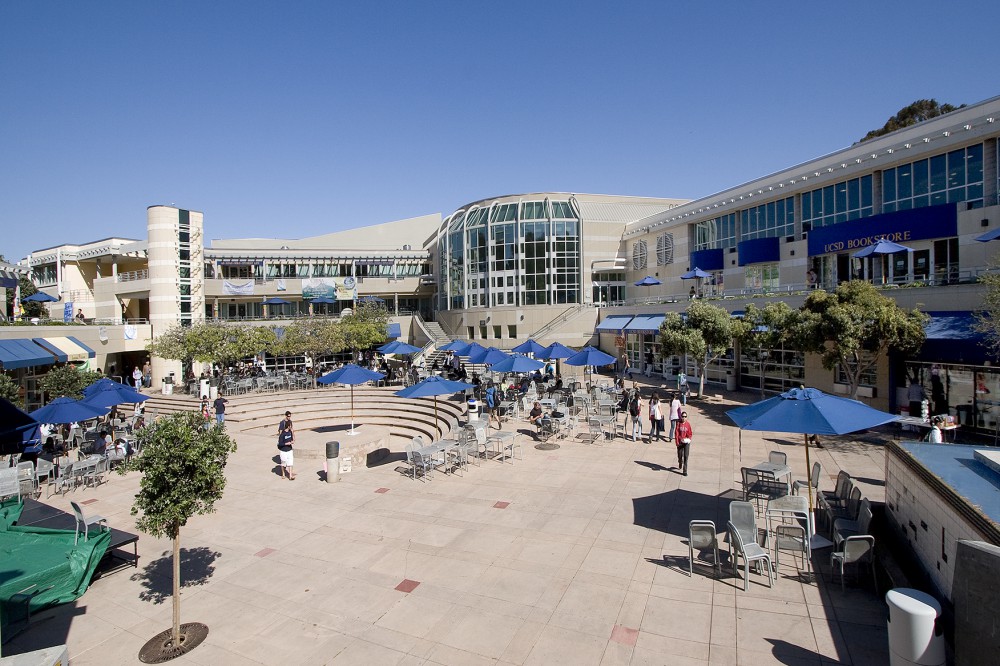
945 178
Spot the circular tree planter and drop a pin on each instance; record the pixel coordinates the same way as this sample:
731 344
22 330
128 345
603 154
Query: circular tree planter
547 446
161 648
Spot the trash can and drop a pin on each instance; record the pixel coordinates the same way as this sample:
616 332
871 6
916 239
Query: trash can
914 637
213 392
473 409
167 388
332 462
203 388
730 381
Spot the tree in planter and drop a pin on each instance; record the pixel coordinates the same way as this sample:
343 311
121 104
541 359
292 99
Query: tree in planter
365 328
765 329
853 328
312 338
67 380
705 335
183 465
213 342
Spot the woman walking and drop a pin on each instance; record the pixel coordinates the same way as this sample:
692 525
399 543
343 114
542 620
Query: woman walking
675 415
655 418
684 433
635 413
286 437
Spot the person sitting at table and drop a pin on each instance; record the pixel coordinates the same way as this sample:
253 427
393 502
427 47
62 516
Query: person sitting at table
934 436
102 443
535 417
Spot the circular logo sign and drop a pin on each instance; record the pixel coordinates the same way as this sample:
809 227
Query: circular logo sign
349 282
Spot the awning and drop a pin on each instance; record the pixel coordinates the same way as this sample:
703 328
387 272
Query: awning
8 279
953 338
23 353
613 323
645 324
392 330
66 348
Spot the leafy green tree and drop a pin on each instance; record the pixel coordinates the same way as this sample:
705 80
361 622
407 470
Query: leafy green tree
705 335
10 390
854 327
918 112
312 337
67 380
183 466
213 342
988 317
365 327
765 329
31 309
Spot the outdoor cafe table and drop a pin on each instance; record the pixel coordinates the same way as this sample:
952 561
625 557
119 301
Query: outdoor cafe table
498 442
776 470
789 506
607 425
920 423
609 405
445 446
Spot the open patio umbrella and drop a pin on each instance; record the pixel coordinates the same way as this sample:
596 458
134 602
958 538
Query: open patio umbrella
67 410
648 281
471 349
113 394
554 352
102 384
433 386
40 297
590 356
274 300
985 238
487 356
456 346
883 246
516 363
397 347
350 375
808 411
16 430
371 299
695 274
529 346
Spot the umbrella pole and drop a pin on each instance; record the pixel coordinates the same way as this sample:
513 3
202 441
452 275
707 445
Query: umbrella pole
437 428
352 409
815 540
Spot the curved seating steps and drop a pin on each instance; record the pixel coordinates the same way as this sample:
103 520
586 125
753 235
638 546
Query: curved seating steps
424 426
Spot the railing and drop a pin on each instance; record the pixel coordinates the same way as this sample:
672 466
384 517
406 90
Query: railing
560 320
132 276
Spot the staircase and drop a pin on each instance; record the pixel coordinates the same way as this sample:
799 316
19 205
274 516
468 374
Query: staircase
438 337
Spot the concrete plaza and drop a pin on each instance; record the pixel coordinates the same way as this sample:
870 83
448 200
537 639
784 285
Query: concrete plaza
572 556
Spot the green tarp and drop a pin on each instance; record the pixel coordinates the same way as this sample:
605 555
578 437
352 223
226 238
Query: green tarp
43 564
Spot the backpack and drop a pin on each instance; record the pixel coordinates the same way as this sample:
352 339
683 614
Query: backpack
633 406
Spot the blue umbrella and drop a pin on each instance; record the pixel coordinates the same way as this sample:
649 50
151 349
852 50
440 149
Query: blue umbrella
555 351
529 346
648 281
397 347
811 412
40 297
487 356
471 349
985 238
590 356
274 300
456 346
883 246
322 300
433 386
67 410
516 363
18 428
102 384
350 375
371 299
110 395
695 273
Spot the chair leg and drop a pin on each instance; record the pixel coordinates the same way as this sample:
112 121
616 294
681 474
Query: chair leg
690 558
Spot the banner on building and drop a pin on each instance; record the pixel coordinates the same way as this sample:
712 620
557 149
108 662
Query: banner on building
237 288
338 288
67 312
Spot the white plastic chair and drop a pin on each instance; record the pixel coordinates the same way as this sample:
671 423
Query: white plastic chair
702 536
751 552
83 523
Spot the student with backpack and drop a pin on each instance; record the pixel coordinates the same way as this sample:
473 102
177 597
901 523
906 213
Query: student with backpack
635 414
491 405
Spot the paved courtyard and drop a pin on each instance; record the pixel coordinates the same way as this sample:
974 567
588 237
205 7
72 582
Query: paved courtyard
572 556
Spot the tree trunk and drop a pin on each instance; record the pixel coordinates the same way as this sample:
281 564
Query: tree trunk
177 587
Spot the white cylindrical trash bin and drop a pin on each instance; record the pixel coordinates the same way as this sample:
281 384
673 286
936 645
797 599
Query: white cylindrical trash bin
914 637
213 392
203 386
473 409
332 462
730 381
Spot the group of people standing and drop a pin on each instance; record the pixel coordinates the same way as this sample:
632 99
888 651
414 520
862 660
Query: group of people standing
657 412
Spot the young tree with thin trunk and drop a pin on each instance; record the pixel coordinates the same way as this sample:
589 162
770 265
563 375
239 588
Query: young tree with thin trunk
182 463
704 335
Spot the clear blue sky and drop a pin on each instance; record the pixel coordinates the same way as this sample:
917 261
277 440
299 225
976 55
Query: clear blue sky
289 119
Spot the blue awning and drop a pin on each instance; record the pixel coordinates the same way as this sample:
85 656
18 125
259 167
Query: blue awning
393 330
708 260
758 250
66 348
614 323
645 324
23 353
952 338
8 279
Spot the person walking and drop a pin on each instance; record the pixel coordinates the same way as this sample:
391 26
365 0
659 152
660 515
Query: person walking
220 409
137 378
286 437
655 418
635 413
675 415
492 404
684 433
147 374
204 409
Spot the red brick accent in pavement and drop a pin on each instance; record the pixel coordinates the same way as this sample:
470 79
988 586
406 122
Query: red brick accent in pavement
90 501
265 552
501 505
624 635
381 490
408 585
